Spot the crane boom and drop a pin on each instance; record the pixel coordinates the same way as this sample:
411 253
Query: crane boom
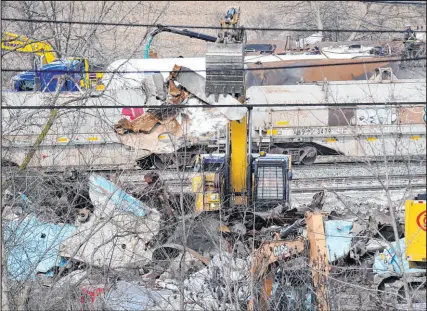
183 32
20 43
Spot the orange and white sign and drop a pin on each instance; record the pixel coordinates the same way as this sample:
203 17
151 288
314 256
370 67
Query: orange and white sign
421 220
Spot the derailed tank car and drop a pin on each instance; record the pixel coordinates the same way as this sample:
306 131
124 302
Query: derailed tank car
381 118
79 137
373 125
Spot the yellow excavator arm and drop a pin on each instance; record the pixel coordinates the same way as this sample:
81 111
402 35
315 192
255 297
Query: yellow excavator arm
20 43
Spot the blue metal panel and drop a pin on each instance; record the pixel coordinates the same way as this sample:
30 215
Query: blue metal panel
32 246
387 262
107 191
338 238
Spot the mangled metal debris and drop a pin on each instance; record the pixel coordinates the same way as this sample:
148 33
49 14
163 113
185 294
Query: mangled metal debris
163 130
116 233
338 238
33 246
200 264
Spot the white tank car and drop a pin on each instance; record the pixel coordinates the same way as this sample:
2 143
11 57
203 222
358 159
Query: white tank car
128 73
83 137
357 131
86 137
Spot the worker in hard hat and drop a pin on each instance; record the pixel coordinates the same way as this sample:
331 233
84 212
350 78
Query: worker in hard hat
409 34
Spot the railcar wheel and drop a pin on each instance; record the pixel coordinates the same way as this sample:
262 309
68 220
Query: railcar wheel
162 162
310 155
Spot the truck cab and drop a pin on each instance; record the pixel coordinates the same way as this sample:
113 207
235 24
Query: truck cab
78 71
24 82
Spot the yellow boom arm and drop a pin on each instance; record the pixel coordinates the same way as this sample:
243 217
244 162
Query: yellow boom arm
20 43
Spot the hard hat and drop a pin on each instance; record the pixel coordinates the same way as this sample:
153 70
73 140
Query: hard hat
407 25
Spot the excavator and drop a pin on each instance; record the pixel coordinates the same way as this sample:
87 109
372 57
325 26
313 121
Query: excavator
230 33
20 43
243 178
239 181
148 53
44 77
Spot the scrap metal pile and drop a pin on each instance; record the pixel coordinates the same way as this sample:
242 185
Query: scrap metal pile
164 130
86 234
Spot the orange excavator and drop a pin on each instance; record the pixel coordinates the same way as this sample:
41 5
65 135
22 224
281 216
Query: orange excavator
278 252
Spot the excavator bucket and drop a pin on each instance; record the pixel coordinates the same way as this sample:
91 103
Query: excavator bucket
224 69
196 84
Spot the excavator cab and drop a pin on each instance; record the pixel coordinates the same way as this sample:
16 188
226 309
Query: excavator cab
231 17
271 181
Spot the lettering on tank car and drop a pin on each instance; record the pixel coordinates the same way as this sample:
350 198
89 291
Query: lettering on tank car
305 131
370 116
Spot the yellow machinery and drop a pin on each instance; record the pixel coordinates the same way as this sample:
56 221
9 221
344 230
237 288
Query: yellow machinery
268 187
208 185
258 182
415 231
244 179
20 43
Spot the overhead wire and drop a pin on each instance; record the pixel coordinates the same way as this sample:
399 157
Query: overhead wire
230 70
396 2
204 27
247 106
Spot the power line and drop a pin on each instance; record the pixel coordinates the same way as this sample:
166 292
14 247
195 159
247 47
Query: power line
201 27
398 2
235 69
210 106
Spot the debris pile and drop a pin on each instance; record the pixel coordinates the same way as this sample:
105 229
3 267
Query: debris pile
168 129
104 255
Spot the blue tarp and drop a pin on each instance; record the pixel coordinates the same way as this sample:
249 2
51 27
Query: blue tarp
387 261
32 246
338 238
110 192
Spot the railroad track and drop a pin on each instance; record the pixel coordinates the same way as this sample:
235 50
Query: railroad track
320 170
326 162
356 188
186 177
303 184
304 181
